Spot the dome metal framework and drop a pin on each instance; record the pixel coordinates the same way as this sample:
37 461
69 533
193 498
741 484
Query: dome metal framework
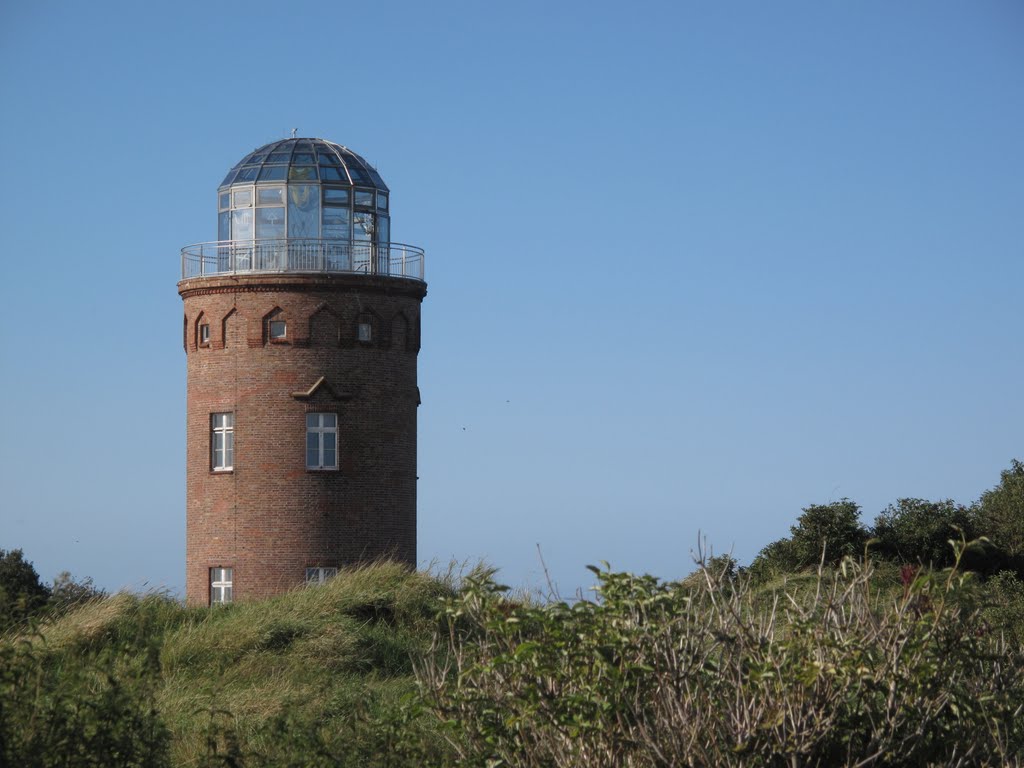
304 160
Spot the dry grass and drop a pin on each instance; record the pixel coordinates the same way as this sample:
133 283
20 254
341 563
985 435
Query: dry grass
314 652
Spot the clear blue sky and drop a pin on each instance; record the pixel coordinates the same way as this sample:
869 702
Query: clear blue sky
692 266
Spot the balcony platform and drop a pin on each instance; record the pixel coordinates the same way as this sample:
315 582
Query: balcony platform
302 256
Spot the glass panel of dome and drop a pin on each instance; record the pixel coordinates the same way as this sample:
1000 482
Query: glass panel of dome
363 229
273 173
331 173
364 197
256 160
336 223
241 224
247 174
269 195
376 179
326 157
269 223
242 198
355 173
279 157
382 201
303 210
302 173
334 196
229 177
303 158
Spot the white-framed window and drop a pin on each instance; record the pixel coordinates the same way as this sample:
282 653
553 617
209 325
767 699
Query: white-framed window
221 586
204 333
278 329
222 441
365 331
320 575
321 441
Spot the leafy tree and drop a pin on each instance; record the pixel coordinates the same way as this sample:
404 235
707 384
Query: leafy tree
919 531
833 529
830 531
22 595
774 560
999 514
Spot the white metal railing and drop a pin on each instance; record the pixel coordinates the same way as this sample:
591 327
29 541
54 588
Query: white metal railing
226 257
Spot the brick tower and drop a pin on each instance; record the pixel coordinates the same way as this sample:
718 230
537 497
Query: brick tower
301 331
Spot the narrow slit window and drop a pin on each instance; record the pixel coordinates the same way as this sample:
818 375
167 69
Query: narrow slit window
222 442
204 333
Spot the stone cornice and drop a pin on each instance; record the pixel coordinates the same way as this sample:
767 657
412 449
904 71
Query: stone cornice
345 282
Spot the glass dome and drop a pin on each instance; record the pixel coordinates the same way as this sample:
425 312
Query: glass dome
303 189
304 160
303 205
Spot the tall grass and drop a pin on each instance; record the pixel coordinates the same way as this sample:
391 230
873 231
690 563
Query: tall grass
222 684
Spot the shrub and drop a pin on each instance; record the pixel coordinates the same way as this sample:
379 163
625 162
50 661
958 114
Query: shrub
823 534
667 674
918 531
22 595
74 711
999 515
67 593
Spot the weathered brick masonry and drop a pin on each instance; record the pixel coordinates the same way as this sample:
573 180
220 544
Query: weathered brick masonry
270 518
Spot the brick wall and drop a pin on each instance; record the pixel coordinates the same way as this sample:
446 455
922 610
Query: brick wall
270 518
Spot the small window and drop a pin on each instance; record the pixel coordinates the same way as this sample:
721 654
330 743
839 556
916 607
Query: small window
222 442
334 196
382 201
320 575
241 198
224 201
221 586
321 441
365 332
270 196
278 329
204 333
364 197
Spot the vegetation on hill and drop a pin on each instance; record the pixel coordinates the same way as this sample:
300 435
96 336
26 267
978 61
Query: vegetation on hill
898 644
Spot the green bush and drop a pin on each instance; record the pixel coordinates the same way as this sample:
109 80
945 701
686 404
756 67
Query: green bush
823 534
68 593
707 673
70 711
999 515
22 595
918 531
